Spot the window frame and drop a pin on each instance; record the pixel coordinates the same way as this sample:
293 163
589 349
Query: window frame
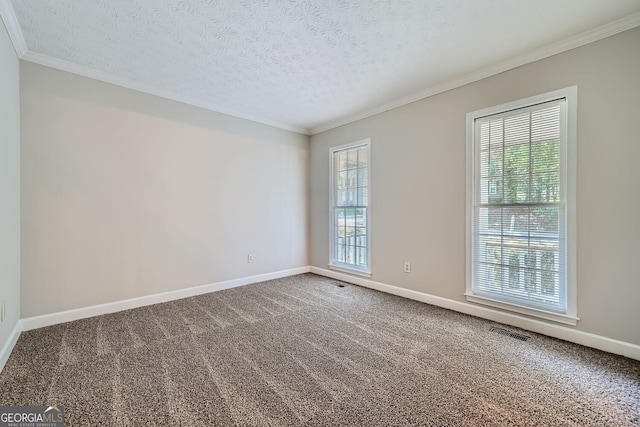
333 264
568 160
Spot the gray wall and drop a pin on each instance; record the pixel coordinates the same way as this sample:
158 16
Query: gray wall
126 194
418 181
9 185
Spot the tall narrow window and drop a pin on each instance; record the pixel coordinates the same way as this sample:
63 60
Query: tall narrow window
521 206
350 207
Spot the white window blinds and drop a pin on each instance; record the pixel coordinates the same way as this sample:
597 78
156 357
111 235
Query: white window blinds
519 206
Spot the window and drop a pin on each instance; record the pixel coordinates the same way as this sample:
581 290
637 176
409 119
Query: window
521 206
350 207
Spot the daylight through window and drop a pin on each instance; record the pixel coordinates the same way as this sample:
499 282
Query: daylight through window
519 207
350 207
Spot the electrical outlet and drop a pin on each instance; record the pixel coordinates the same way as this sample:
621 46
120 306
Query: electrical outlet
407 267
250 258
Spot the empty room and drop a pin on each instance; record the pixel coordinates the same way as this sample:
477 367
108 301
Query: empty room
319 213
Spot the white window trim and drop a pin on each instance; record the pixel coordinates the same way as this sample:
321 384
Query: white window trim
346 268
570 317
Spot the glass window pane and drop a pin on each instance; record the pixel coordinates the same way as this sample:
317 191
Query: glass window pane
339 218
338 251
515 221
496 133
363 177
342 161
352 159
482 134
545 220
545 187
352 178
516 160
516 188
494 162
545 156
363 156
516 129
350 235
341 198
342 180
545 124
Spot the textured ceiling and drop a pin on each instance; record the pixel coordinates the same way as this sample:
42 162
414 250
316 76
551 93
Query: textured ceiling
305 65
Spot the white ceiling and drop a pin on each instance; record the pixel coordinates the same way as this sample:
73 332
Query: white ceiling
303 65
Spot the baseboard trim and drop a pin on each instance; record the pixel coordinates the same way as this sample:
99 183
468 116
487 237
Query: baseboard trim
11 342
35 322
553 330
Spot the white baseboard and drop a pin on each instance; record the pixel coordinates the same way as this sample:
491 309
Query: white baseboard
553 330
8 346
112 307
557 331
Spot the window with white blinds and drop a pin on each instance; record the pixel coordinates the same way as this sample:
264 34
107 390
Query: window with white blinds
519 207
350 207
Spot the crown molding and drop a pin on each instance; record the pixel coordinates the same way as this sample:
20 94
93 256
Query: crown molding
81 70
581 39
13 27
15 33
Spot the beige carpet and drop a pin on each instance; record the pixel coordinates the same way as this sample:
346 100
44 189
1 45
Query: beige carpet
304 351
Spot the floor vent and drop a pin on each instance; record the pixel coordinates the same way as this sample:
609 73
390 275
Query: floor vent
509 334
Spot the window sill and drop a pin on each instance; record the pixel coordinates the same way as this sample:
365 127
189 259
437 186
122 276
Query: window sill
348 270
542 314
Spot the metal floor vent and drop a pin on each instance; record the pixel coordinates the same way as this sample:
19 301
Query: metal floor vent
510 334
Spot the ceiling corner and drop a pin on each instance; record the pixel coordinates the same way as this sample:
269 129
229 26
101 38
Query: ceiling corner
13 27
